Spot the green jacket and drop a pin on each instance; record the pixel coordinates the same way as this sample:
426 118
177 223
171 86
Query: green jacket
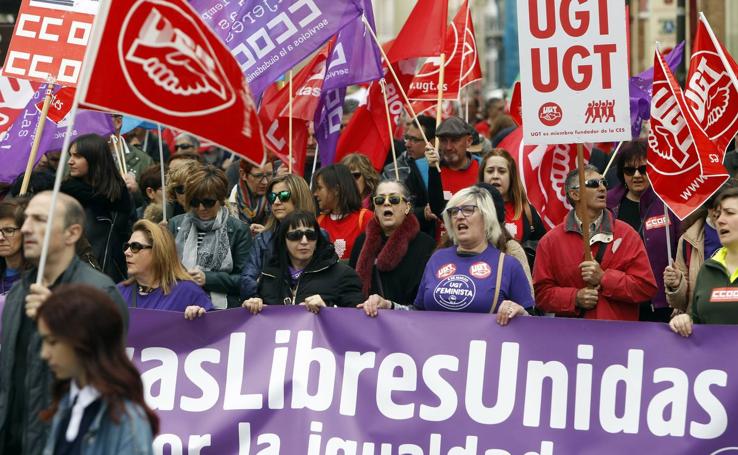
239 237
137 161
715 299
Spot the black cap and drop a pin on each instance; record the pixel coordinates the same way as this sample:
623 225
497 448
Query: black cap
454 127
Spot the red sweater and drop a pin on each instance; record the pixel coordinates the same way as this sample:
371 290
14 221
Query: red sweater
343 232
627 281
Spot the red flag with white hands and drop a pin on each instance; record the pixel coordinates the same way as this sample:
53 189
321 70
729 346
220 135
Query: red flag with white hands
462 62
157 60
710 90
274 113
543 170
684 165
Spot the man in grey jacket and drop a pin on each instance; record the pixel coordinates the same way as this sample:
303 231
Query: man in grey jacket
25 380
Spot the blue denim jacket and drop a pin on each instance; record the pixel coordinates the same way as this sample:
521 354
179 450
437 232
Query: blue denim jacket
132 435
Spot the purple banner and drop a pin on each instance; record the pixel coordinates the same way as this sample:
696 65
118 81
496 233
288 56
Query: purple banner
355 59
287 381
268 37
15 146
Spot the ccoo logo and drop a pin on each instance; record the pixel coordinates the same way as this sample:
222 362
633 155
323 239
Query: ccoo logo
550 114
169 63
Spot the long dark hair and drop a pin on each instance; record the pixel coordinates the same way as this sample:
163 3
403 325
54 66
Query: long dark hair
102 173
293 220
88 320
338 178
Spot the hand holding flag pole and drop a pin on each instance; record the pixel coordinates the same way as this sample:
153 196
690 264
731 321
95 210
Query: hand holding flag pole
37 138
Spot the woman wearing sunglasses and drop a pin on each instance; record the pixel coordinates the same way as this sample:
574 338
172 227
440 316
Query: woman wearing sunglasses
97 402
175 184
365 176
248 197
390 255
212 244
474 275
305 270
285 194
156 278
635 202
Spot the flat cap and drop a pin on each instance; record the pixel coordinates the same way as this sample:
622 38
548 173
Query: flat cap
455 127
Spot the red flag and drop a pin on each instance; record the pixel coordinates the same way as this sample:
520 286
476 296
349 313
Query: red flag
516 104
710 91
60 104
685 168
423 32
462 62
158 61
274 113
543 170
14 96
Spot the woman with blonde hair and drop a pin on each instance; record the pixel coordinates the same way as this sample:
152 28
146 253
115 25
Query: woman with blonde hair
158 281
285 194
366 177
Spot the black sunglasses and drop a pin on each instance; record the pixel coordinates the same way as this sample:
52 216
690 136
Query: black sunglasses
297 235
283 196
631 170
179 189
207 203
394 199
592 183
183 146
135 247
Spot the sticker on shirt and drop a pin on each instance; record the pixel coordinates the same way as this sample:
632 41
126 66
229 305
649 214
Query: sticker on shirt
512 228
447 195
446 271
657 222
455 292
340 246
724 295
480 270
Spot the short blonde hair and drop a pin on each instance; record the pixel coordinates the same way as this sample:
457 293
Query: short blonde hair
178 176
482 199
362 164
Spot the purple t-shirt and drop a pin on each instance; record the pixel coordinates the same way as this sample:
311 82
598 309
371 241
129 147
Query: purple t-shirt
460 282
182 295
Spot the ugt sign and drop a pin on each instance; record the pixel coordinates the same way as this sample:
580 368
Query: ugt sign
573 71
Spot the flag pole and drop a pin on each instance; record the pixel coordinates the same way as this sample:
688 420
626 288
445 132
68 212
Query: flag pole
581 209
399 86
439 101
720 52
118 158
612 158
290 124
161 171
315 164
122 154
37 137
667 226
383 83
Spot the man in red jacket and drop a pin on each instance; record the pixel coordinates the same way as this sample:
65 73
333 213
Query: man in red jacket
609 287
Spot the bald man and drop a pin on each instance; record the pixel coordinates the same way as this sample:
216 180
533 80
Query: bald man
25 380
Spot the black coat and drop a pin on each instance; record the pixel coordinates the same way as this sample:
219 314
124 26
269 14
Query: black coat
334 281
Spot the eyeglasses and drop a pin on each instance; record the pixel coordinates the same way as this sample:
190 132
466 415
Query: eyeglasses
409 138
357 175
207 203
465 210
135 247
394 199
631 170
297 235
9 232
183 146
262 176
592 183
283 196
179 189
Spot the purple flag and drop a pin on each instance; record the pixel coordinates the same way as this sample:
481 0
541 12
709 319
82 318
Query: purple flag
355 59
15 146
640 90
291 382
268 37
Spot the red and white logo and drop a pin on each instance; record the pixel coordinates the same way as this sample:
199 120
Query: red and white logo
550 114
480 270
165 57
446 271
670 141
656 222
724 295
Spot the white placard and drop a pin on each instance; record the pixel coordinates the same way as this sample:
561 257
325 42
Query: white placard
573 71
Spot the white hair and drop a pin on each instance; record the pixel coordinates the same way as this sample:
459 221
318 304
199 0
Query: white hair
189 138
482 199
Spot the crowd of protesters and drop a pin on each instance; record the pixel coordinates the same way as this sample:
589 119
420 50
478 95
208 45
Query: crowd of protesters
435 230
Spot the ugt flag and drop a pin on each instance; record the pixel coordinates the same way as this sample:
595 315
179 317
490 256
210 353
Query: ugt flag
684 165
710 91
157 60
267 38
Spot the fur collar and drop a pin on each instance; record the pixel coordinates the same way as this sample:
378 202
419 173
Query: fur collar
386 258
